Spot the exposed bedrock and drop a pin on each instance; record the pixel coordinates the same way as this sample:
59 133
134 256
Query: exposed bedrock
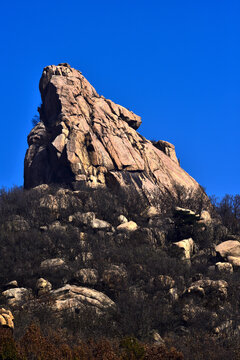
84 139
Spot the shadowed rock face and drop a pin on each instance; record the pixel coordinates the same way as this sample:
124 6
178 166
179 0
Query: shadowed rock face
83 138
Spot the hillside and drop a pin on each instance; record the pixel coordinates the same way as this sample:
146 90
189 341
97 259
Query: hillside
110 238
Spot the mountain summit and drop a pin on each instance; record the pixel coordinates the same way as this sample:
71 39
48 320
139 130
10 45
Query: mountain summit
84 139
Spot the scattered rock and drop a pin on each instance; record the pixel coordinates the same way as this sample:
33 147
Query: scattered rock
43 286
122 219
17 296
216 289
234 260
173 294
53 263
6 318
224 268
82 218
87 276
49 202
154 337
205 217
11 285
228 248
187 216
185 246
127 227
150 212
100 224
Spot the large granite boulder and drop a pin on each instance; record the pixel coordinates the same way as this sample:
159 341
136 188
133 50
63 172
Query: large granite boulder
127 227
6 318
228 248
16 296
229 251
73 298
84 139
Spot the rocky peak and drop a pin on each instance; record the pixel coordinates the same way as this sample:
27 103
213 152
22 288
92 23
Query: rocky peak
83 138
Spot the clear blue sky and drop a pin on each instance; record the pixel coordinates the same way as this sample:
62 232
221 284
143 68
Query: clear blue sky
175 63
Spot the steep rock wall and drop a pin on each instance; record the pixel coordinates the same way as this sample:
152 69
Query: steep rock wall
83 138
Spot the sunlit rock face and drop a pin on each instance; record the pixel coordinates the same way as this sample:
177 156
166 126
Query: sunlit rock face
84 139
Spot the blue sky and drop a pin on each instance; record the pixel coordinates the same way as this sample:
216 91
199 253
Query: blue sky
175 63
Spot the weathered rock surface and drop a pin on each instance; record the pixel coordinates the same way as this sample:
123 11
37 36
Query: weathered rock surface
127 226
122 219
11 285
184 247
43 286
56 203
229 248
100 224
187 216
224 268
72 297
83 138
234 260
16 296
53 263
150 212
6 318
205 217
167 148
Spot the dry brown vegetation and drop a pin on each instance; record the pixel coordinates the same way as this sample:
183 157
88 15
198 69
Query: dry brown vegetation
53 346
39 334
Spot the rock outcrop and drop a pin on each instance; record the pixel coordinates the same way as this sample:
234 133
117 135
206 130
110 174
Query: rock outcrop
72 297
184 248
6 319
84 139
16 296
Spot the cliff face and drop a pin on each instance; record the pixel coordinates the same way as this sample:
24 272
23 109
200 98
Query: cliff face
83 138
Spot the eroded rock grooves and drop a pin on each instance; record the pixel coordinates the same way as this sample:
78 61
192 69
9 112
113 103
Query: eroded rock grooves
83 138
